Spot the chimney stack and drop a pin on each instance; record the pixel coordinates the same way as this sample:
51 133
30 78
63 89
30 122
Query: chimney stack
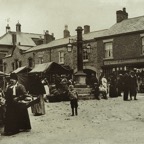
7 28
121 15
18 27
86 29
14 39
66 32
47 37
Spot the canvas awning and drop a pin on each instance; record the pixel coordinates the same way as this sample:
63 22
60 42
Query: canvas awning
21 69
3 74
50 67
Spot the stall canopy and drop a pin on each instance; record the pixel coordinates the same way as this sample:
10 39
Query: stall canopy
22 73
21 70
3 74
50 67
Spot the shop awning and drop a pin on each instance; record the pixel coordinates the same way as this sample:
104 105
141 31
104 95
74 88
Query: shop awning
50 67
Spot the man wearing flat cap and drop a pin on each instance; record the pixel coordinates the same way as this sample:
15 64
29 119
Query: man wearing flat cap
17 118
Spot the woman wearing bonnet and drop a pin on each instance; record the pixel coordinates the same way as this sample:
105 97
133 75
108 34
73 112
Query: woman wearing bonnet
16 118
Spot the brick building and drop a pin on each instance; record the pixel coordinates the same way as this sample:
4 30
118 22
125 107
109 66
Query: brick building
57 51
118 48
122 45
14 44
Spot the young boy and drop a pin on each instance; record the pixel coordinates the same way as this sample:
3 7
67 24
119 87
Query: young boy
73 95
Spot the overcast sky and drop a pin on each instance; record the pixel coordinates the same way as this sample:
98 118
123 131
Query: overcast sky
36 16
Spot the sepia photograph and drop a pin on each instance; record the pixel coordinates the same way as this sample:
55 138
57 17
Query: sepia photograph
71 72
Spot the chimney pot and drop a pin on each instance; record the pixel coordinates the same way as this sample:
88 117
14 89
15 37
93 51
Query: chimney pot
47 32
121 15
66 27
86 29
124 9
14 39
7 28
18 27
66 32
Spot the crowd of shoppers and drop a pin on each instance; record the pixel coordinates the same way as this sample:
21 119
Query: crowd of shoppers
125 85
16 118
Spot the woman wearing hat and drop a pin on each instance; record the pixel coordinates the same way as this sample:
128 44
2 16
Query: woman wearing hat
16 118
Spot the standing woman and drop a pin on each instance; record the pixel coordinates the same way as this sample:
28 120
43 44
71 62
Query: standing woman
103 88
113 86
16 118
37 88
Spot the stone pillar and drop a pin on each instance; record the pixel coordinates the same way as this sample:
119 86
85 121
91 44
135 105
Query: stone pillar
80 76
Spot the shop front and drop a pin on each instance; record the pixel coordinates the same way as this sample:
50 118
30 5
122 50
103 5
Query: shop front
127 65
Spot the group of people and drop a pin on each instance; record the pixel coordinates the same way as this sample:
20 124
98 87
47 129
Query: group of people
114 86
130 86
14 112
126 84
16 117
99 87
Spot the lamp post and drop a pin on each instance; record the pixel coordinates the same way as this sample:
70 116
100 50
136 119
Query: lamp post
80 76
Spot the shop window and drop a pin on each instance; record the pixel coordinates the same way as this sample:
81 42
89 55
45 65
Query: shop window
61 57
108 47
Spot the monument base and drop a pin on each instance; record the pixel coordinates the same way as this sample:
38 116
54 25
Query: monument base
80 79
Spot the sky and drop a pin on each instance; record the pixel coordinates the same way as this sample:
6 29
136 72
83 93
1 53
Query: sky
37 16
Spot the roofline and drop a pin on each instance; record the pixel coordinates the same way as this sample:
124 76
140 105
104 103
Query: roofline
43 48
7 57
25 33
115 35
90 40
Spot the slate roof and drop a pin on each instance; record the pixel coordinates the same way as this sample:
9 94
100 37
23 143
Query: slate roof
24 48
64 41
126 26
23 38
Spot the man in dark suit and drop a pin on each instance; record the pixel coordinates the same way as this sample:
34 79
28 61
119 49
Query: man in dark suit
133 85
126 85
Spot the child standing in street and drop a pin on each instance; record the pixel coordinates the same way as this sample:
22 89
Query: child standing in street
73 95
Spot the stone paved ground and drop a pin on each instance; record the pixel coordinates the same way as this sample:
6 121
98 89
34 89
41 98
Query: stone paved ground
111 121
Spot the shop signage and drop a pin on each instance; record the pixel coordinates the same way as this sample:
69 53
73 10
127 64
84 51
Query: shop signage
126 61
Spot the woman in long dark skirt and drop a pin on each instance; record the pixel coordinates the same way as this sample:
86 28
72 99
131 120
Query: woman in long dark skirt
16 118
37 88
113 86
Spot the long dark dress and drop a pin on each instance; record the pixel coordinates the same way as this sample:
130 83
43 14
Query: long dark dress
37 88
112 88
133 86
16 118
